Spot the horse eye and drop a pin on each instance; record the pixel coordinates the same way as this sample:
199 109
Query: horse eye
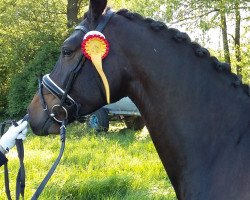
66 52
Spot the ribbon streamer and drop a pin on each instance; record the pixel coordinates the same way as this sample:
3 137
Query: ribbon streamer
95 47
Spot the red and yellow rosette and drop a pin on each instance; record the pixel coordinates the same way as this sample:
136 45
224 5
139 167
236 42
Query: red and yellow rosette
95 47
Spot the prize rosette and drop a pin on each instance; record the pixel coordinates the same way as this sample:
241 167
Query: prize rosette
95 47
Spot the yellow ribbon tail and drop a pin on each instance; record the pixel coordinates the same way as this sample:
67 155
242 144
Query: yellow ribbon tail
97 62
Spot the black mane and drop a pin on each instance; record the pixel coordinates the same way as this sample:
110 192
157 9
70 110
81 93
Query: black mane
180 37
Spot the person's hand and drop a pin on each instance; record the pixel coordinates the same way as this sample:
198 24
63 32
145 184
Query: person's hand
7 141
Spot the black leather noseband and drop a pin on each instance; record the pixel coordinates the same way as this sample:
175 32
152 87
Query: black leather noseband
54 89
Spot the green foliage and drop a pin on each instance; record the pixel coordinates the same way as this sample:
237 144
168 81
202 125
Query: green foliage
245 62
117 165
26 28
24 84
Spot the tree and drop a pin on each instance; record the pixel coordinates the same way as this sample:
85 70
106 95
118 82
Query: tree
237 39
208 14
223 26
24 28
74 8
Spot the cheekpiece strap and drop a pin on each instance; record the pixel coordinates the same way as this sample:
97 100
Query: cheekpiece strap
104 20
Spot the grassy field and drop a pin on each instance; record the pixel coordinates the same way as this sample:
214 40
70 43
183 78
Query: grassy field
121 164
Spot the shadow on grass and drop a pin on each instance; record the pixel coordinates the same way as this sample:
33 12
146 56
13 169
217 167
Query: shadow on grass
112 187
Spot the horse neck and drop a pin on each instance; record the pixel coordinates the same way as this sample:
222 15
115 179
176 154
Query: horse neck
190 109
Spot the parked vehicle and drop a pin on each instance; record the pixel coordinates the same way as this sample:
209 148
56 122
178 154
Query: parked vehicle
123 109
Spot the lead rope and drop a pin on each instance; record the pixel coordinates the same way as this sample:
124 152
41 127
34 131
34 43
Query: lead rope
52 169
6 181
6 171
20 179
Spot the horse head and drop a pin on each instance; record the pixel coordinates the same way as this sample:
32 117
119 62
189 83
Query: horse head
76 86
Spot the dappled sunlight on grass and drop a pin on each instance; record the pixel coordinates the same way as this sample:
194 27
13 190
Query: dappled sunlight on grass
120 164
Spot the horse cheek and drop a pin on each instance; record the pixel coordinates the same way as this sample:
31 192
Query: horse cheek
36 114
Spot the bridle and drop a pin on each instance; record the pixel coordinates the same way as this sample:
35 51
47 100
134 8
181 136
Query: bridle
59 112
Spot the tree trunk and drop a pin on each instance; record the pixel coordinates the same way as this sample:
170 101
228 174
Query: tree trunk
224 37
237 40
72 12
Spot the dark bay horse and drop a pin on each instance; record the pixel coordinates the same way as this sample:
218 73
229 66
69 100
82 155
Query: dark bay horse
196 110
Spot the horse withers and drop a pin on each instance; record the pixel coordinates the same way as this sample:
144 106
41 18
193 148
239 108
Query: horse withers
196 110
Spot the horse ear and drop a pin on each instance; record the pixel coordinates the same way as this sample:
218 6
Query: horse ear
96 8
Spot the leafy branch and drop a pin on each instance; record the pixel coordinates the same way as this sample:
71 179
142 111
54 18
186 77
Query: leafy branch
194 17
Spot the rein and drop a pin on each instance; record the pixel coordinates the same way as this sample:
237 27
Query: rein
53 168
20 179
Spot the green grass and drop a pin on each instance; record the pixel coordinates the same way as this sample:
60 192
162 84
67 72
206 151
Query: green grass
121 164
